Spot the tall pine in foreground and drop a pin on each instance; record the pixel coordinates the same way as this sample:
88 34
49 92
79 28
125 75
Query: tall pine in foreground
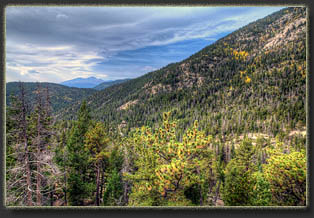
96 141
238 182
61 156
78 158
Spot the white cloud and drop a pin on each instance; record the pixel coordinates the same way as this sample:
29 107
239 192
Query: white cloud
56 63
148 69
62 43
61 16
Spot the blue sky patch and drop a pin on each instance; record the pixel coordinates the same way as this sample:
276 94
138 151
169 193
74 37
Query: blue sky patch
55 44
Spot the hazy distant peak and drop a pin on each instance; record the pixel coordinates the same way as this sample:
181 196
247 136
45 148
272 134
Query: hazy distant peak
80 82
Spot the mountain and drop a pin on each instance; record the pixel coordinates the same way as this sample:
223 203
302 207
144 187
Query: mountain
107 84
242 83
79 82
247 92
60 96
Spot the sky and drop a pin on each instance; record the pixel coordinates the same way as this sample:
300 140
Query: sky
55 44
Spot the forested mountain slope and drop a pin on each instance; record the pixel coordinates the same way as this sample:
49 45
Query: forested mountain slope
224 127
107 84
243 82
60 96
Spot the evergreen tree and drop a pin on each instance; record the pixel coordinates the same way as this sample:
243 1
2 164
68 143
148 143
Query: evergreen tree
114 189
166 167
61 157
78 164
96 142
286 174
261 193
238 181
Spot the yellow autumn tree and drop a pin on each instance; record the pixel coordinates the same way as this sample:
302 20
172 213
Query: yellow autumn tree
247 79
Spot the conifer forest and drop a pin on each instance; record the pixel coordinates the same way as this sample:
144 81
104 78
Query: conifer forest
224 127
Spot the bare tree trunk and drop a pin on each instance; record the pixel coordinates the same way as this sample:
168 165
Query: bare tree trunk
217 192
39 133
126 189
126 185
65 179
228 153
38 177
25 138
201 195
102 184
65 188
97 184
28 175
200 189
38 185
211 182
51 194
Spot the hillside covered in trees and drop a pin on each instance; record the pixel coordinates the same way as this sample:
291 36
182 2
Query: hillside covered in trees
225 127
256 73
109 83
60 96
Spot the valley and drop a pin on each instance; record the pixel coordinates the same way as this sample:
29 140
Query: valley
224 127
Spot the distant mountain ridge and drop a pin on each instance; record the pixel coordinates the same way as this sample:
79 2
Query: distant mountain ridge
109 83
80 82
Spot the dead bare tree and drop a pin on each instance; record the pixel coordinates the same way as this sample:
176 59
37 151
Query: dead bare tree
30 161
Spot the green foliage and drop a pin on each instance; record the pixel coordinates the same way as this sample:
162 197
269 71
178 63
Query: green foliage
244 155
116 159
238 185
286 174
96 140
238 181
233 86
62 97
166 166
261 194
78 159
107 84
113 193
77 189
133 154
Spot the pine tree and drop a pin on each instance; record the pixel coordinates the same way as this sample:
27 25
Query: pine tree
96 141
166 167
286 174
238 182
114 189
78 158
61 157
